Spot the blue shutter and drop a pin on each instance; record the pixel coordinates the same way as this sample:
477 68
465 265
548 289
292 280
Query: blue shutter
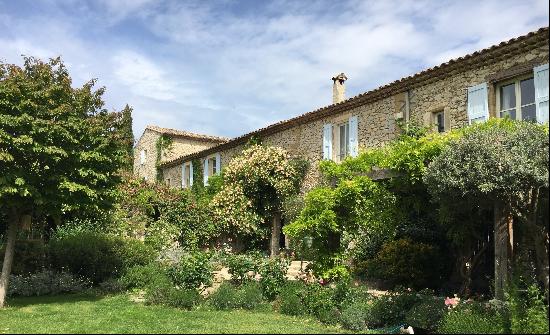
541 92
205 172
478 107
327 141
353 136
183 176
190 174
218 163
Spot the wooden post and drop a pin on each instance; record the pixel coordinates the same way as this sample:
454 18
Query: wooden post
275 234
503 247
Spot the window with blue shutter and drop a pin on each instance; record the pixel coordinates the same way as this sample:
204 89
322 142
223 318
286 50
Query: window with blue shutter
190 174
478 107
205 172
183 176
327 141
218 163
541 92
353 136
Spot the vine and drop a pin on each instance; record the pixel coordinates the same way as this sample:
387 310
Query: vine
163 142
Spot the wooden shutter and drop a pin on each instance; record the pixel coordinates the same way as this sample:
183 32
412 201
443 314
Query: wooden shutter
478 107
353 136
218 163
190 174
541 92
327 141
205 172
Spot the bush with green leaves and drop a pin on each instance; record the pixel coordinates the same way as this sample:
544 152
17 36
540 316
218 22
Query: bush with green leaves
528 312
290 299
31 257
46 282
472 318
243 267
163 292
408 263
249 295
97 256
193 271
273 276
141 276
225 297
426 313
355 315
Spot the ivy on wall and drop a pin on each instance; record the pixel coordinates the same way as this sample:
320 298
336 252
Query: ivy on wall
164 142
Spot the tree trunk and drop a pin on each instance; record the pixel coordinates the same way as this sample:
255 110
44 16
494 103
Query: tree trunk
503 247
275 235
13 225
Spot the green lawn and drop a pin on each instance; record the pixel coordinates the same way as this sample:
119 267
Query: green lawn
117 314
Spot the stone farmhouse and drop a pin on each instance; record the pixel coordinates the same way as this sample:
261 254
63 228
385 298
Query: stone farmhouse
506 80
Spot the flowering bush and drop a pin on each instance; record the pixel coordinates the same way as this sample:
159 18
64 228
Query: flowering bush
44 283
255 185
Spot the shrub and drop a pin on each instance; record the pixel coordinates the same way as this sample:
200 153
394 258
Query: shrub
354 316
426 314
140 276
192 271
112 285
97 256
30 255
273 276
528 313
249 295
290 299
319 301
44 283
408 263
240 266
183 298
391 309
225 297
158 292
471 318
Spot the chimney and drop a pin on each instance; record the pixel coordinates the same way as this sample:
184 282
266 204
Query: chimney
338 88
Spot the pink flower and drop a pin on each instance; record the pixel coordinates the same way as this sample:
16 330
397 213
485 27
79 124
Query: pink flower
452 302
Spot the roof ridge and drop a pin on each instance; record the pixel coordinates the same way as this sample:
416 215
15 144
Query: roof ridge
186 133
378 92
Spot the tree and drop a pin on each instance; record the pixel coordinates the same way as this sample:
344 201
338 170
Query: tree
127 136
60 151
503 163
255 185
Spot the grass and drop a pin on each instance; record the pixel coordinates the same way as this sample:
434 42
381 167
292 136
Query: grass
117 314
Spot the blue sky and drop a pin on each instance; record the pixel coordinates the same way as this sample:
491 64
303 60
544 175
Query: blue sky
228 67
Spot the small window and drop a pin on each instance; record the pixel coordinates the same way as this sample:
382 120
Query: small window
344 140
187 175
439 121
212 166
517 100
168 181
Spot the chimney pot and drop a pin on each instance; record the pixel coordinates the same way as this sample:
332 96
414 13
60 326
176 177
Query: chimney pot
338 88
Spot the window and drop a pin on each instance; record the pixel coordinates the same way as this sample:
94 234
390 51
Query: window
142 156
439 121
516 99
187 175
212 166
168 182
343 136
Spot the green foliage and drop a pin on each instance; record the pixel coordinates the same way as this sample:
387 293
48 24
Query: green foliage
273 276
141 276
499 159
45 282
31 257
256 183
426 314
97 256
127 136
472 318
60 150
183 298
354 316
225 297
243 267
290 299
404 262
249 295
193 271
528 313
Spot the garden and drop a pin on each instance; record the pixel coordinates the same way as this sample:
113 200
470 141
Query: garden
445 233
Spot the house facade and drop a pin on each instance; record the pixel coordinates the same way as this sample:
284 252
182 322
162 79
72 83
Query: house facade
175 144
506 80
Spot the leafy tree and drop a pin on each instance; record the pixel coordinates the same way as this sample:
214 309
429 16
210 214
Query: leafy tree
60 151
502 163
255 185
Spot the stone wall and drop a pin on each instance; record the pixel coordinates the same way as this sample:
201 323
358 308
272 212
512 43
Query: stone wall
377 120
147 141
